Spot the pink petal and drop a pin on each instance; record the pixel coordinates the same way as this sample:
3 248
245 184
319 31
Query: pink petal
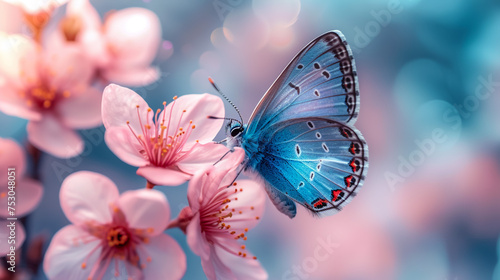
163 176
204 185
194 192
196 239
67 69
36 6
12 104
95 47
19 57
87 197
69 249
201 156
124 145
207 182
28 195
241 268
145 209
86 12
138 76
11 155
133 35
231 165
5 233
125 270
198 107
82 111
51 136
253 195
119 105
168 261
90 36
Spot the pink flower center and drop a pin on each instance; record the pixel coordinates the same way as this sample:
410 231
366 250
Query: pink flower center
216 218
162 141
118 237
42 97
117 242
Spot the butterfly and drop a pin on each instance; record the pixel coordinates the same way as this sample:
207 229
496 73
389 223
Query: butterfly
300 138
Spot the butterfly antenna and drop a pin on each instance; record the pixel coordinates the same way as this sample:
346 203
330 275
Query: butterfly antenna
225 97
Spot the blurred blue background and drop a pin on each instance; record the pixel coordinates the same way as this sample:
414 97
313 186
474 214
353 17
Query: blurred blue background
430 207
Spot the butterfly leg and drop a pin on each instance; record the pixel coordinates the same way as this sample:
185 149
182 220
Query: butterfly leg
230 151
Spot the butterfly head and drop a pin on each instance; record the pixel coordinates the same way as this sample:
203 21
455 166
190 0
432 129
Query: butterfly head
234 132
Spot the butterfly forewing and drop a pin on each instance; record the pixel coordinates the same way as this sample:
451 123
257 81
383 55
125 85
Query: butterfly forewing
321 78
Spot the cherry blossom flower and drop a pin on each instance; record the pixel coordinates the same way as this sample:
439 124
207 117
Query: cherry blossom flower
27 195
168 146
219 217
51 89
112 235
122 47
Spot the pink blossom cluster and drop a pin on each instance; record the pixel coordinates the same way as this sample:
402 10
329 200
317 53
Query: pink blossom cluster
55 79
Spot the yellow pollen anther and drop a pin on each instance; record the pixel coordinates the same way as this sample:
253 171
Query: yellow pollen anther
244 255
241 212
137 106
164 103
233 232
175 97
128 122
46 103
234 184
241 190
243 247
239 253
149 110
190 121
257 218
252 207
84 265
193 126
228 226
197 141
116 209
254 258
184 111
246 230
245 238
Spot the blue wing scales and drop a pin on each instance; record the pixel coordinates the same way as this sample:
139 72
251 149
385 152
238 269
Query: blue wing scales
325 162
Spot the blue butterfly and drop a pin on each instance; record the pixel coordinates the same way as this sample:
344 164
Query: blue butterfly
300 138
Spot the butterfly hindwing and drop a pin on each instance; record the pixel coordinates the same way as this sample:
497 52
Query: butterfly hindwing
321 81
325 162
284 204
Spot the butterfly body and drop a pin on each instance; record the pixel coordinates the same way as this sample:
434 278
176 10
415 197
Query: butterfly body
300 139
